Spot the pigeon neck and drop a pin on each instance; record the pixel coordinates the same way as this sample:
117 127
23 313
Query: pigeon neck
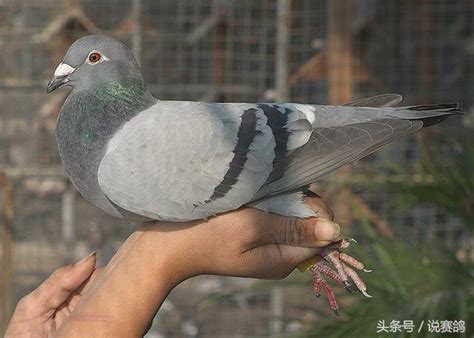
87 121
116 92
103 109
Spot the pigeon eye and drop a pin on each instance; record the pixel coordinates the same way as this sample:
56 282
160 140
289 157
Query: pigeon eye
94 57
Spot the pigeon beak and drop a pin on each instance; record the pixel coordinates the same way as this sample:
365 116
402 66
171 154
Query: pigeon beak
60 78
56 82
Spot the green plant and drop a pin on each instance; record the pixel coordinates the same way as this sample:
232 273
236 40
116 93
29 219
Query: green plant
407 284
423 283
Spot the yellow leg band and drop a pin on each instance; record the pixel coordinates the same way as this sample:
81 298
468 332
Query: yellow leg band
307 264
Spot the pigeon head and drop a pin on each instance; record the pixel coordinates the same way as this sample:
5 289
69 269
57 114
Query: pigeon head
96 60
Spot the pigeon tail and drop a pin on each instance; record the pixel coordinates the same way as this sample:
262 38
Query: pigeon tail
429 114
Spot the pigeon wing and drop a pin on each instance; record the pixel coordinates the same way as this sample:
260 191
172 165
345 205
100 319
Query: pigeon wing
188 160
344 134
331 147
382 100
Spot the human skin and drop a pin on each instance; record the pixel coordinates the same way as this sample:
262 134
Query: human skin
122 299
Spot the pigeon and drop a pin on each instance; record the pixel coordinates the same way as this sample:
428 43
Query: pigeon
140 158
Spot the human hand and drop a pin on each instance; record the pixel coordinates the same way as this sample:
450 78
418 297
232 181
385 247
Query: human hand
247 242
43 311
159 255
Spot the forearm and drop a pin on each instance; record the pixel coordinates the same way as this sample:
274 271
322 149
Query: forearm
129 291
121 299
158 256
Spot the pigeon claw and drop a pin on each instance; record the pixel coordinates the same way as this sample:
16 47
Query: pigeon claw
349 288
341 268
320 283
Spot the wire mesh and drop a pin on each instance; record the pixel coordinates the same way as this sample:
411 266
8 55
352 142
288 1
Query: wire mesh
221 50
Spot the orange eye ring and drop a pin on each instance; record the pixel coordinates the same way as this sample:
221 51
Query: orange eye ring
94 57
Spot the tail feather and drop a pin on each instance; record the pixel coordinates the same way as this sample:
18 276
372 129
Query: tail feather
443 107
443 110
333 146
429 114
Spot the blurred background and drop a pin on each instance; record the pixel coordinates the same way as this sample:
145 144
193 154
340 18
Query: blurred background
410 205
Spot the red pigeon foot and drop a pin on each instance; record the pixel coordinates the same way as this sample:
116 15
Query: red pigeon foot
343 272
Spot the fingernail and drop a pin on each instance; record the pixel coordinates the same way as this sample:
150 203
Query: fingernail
326 231
337 231
85 259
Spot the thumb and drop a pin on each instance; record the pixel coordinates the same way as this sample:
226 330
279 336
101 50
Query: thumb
309 232
58 287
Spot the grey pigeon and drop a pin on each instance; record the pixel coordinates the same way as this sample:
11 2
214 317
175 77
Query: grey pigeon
137 157
140 158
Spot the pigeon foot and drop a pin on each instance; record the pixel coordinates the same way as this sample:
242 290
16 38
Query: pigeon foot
343 273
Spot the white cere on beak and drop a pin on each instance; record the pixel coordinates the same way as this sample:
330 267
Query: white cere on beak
63 69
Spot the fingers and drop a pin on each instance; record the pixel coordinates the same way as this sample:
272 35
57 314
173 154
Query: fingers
89 282
83 288
58 287
294 255
273 261
261 228
317 204
310 232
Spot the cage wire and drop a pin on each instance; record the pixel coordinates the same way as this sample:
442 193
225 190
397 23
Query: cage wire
221 50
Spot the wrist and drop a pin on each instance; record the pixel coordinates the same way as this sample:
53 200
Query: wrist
172 250
131 288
